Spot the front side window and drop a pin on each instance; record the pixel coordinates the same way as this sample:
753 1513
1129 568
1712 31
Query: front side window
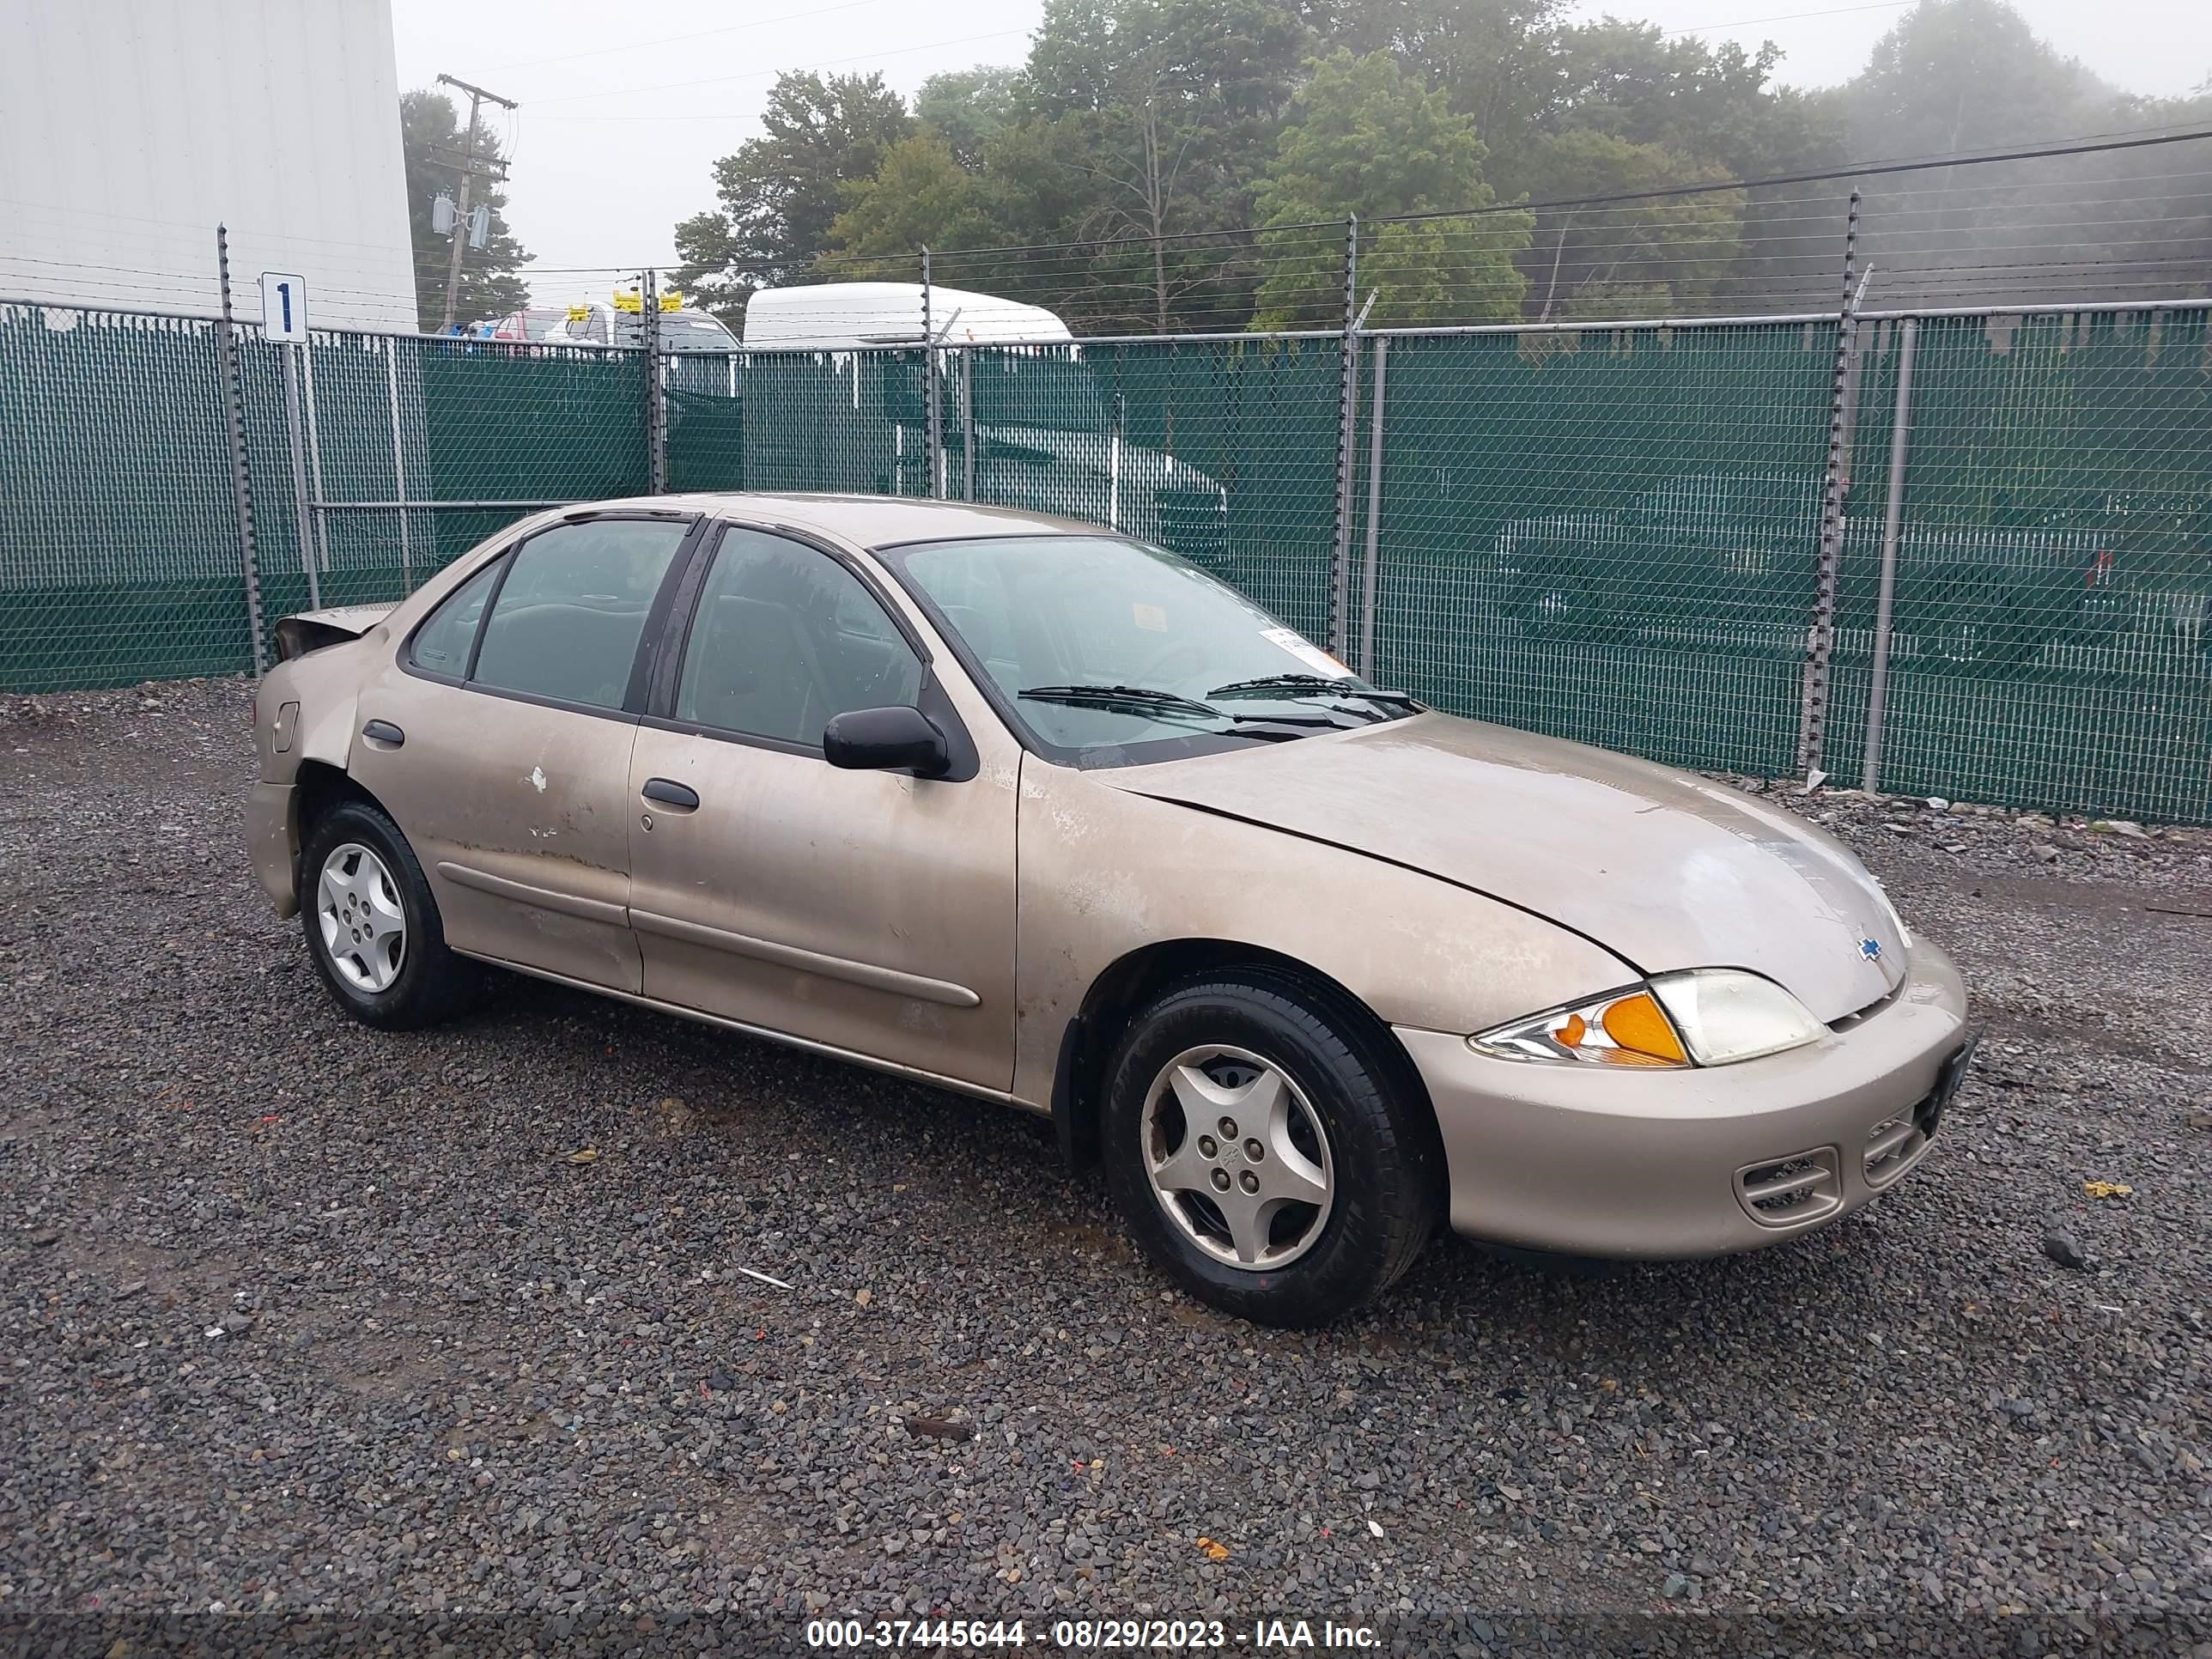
568 619
784 637
1095 644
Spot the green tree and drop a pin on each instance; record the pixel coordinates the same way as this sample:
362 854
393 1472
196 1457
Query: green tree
969 108
1956 74
1667 253
1969 75
1715 107
1493 59
1157 116
429 127
780 192
1364 137
919 195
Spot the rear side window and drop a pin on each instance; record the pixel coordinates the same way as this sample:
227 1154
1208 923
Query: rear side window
441 644
568 618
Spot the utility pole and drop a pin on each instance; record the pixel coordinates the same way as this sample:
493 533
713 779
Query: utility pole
469 170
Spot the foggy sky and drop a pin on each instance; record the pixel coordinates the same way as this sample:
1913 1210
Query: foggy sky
616 141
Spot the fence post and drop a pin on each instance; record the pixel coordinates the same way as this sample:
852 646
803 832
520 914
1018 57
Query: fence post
968 424
1372 577
241 489
303 513
656 404
1340 599
399 463
318 517
1820 637
933 446
1891 518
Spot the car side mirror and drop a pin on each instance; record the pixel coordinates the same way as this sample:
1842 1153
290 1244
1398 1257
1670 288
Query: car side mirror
895 739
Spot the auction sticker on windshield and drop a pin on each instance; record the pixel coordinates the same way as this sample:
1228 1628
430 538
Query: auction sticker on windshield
1307 652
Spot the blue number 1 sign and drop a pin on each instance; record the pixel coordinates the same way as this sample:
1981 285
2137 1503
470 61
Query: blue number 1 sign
284 306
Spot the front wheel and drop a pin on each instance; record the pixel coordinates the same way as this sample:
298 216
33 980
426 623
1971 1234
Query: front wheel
373 926
1263 1148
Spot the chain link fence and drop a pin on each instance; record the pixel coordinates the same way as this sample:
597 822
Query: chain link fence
1606 530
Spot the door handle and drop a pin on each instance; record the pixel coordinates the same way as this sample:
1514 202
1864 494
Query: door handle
679 797
383 732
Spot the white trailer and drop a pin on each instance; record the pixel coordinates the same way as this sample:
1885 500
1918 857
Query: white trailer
1024 420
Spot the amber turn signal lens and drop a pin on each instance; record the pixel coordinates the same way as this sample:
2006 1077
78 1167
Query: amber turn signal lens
1638 1024
1571 1035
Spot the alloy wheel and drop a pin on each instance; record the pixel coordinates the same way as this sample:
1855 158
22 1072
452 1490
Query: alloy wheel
1238 1157
364 926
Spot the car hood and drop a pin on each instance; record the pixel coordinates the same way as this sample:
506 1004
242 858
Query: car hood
1664 869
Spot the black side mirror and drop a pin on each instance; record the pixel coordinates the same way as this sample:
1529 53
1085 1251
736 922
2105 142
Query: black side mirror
896 739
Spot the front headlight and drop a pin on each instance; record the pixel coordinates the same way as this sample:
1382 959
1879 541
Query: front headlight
1726 1014
1621 1028
1705 1016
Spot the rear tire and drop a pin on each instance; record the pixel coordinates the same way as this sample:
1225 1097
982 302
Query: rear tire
371 925
1324 1191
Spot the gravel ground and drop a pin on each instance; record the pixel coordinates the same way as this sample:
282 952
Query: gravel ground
298 1315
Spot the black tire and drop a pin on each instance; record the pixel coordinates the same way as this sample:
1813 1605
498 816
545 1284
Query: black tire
432 983
1387 1159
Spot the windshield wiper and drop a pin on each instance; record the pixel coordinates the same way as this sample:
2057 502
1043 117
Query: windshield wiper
1145 699
1121 696
1309 685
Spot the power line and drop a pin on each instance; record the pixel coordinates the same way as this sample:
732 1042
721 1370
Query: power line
1854 170
1785 17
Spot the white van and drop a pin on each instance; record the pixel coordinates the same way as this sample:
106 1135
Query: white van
1025 423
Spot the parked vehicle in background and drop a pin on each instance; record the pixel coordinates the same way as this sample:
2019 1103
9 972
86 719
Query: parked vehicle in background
1018 806
621 322
1046 436
1730 559
532 323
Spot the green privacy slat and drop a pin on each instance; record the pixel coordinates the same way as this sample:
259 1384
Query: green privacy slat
119 543
2050 646
1608 534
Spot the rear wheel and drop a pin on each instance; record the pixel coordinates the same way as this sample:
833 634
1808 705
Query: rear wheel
372 925
1265 1152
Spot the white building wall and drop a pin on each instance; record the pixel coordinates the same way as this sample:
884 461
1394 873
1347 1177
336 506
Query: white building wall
129 128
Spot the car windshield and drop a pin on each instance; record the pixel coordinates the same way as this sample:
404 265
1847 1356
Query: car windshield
1095 644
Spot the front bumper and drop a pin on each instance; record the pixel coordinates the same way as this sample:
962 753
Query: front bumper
270 840
1696 1162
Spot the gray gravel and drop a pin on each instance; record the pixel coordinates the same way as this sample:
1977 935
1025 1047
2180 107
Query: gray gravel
294 1315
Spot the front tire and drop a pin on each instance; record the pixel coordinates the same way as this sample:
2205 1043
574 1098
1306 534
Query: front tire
373 928
1264 1149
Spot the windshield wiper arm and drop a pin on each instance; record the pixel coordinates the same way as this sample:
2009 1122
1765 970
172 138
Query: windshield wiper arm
1308 685
1121 696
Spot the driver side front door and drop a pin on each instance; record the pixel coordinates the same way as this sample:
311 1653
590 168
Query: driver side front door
872 913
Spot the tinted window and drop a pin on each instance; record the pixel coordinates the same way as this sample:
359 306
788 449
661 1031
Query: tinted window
441 644
570 614
784 638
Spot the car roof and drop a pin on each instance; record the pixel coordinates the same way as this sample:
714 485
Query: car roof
869 520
